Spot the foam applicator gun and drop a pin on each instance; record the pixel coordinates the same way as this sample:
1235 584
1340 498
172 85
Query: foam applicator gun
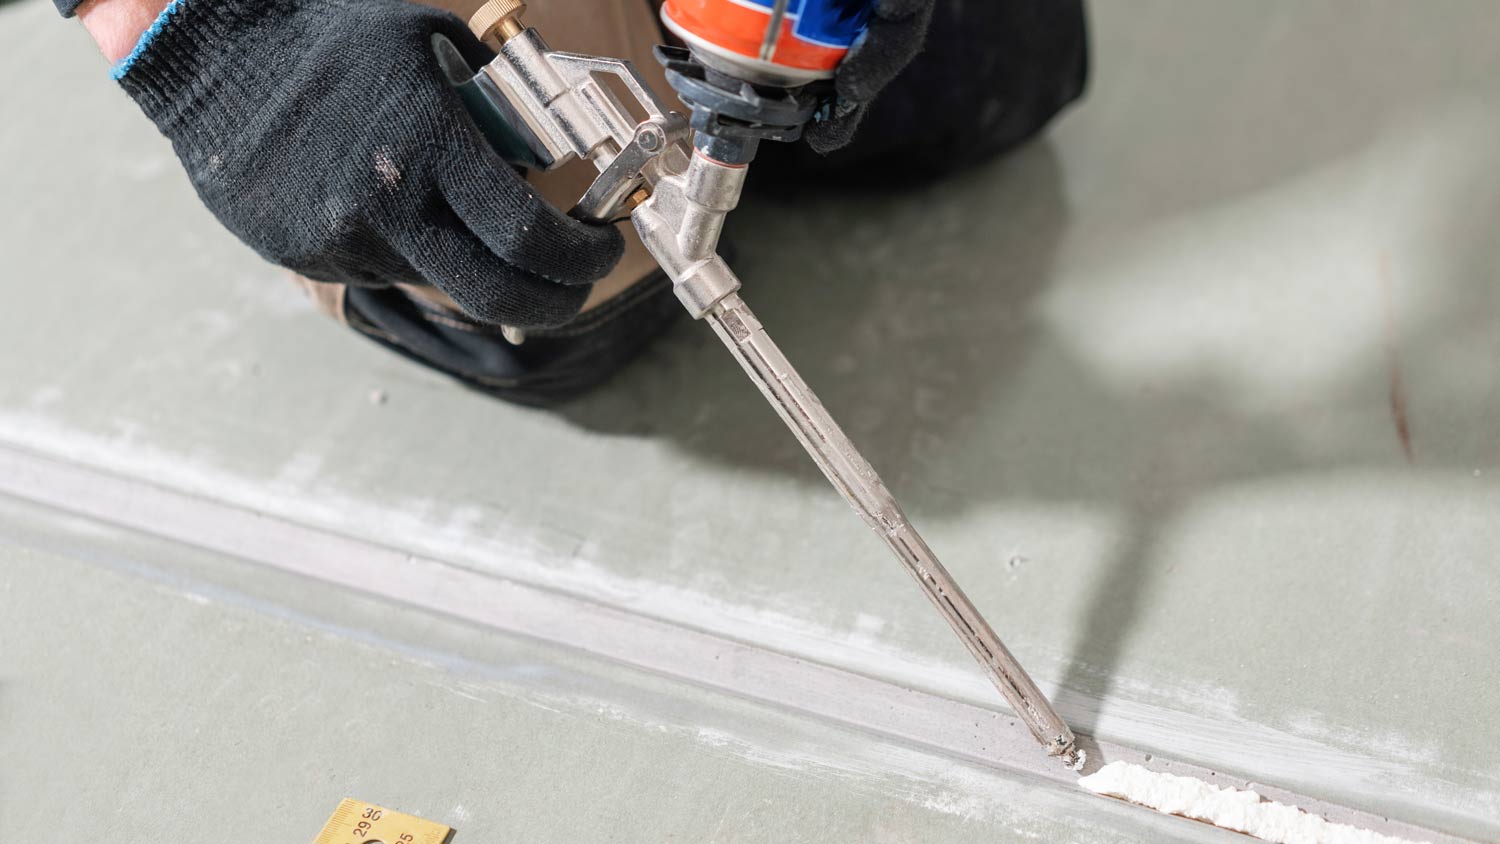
755 71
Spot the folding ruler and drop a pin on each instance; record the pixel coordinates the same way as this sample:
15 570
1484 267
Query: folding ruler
358 822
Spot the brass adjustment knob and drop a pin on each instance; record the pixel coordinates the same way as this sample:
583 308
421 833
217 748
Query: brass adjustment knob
500 18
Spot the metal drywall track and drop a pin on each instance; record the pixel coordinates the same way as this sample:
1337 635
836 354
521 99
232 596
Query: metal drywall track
950 727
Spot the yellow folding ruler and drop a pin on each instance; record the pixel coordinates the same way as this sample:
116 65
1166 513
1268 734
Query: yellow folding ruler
358 822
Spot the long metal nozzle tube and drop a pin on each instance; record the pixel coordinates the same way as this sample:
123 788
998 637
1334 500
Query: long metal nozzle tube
858 483
680 225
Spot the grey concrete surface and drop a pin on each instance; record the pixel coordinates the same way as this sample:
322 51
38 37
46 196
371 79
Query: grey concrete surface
1139 384
179 691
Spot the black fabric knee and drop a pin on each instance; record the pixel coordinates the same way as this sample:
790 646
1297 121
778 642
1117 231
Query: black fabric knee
549 368
992 74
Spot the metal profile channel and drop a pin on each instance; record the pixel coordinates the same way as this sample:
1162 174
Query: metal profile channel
933 722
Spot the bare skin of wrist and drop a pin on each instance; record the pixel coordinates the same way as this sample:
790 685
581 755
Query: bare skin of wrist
117 24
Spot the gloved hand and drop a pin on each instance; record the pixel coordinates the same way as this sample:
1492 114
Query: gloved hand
323 134
895 35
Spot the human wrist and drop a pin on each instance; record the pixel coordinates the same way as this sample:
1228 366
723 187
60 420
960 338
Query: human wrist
180 70
117 25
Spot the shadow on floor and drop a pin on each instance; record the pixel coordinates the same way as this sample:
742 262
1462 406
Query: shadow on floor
915 313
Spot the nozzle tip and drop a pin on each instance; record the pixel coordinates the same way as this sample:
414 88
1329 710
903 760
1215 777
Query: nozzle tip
1074 758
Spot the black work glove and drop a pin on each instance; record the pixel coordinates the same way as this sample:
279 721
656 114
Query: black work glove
895 35
324 135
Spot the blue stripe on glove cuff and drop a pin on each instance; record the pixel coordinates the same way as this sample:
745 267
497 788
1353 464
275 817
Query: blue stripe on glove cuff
123 67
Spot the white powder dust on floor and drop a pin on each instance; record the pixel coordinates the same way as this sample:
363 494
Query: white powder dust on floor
1229 808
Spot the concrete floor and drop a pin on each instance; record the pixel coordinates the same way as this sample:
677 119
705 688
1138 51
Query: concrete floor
1140 385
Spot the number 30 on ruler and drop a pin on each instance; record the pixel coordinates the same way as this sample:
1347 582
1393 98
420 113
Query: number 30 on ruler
358 822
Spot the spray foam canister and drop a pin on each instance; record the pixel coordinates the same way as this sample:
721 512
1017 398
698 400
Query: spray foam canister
775 42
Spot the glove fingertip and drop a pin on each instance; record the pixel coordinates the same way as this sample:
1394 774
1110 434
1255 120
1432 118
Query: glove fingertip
830 136
524 303
574 261
489 288
606 247
521 228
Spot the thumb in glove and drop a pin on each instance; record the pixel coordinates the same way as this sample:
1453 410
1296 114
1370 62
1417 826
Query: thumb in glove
894 37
